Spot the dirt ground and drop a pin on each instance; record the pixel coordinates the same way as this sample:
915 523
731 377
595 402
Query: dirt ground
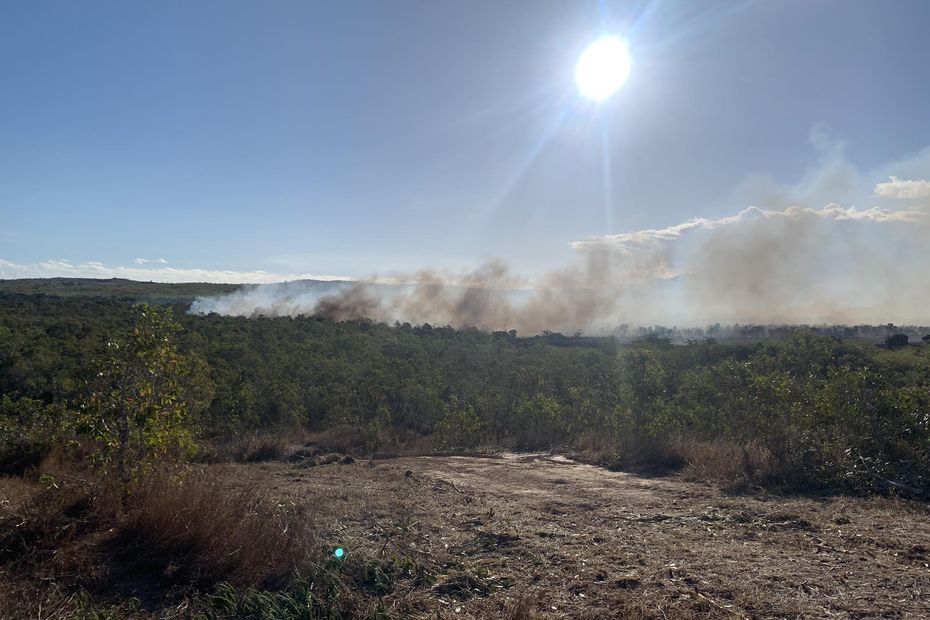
542 534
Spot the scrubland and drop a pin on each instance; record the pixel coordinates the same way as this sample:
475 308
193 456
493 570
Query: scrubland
163 465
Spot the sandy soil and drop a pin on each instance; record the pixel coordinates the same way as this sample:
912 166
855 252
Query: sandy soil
561 539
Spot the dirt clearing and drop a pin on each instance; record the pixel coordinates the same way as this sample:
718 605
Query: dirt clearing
544 536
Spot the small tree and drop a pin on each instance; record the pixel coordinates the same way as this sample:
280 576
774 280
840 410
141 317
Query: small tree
926 339
141 408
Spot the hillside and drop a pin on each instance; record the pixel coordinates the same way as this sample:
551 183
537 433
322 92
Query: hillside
114 289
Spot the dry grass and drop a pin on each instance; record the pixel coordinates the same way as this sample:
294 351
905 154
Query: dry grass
299 444
522 609
344 439
718 461
596 544
251 448
14 493
724 462
386 442
71 544
41 537
215 533
517 536
631 453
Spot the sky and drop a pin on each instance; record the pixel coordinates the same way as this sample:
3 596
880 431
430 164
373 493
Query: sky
261 141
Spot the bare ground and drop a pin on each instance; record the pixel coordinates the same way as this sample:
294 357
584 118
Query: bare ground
544 536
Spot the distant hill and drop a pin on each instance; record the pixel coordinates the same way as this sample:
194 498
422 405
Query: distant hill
114 289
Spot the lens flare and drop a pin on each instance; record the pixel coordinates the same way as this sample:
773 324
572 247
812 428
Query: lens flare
603 68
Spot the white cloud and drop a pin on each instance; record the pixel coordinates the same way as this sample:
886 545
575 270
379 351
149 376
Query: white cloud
628 243
93 269
143 261
900 188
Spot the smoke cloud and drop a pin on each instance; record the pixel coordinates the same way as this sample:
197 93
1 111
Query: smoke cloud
790 259
488 297
798 265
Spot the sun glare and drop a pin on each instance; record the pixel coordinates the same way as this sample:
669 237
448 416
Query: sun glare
603 68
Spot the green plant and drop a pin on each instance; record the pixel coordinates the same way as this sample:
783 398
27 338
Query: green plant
144 397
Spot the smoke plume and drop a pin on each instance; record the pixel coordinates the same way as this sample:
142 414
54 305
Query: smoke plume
798 265
788 260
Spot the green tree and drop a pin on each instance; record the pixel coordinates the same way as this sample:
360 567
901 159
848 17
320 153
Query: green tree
461 427
145 397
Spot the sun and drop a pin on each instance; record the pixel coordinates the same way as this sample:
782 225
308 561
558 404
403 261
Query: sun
603 68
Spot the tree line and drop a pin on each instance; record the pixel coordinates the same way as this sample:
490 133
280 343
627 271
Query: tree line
147 382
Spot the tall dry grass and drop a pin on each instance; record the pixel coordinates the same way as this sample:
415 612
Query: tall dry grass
725 462
213 532
250 448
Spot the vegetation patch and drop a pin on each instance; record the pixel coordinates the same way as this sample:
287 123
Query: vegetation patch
104 405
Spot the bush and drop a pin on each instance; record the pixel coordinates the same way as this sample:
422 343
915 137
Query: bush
896 341
461 428
28 431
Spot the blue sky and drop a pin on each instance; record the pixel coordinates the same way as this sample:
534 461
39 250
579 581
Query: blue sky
352 138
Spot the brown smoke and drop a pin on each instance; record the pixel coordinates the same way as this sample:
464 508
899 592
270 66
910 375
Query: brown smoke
829 265
351 304
490 297
796 265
